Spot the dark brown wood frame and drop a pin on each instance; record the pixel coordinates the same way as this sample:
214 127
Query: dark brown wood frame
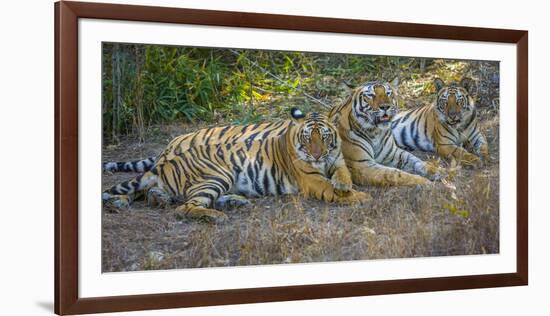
67 14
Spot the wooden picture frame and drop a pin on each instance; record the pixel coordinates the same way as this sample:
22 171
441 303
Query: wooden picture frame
67 14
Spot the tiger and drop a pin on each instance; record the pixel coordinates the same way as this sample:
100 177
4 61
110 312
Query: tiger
303 156
445 127
371 154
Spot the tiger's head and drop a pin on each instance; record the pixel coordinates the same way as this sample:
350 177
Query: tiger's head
374 104
454 101
316 140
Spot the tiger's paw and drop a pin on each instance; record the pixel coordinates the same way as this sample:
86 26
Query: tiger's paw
354 197
231 201
433 171
201 213
486 159
341 181
471 161
414 179
158 197
484 153
115 203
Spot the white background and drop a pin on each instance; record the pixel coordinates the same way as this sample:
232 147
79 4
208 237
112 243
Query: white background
26 87
94 283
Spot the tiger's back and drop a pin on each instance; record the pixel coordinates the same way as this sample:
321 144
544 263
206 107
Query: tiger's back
211 135
230 134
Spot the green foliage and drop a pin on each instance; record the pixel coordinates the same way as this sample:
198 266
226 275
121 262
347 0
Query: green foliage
147 85
185 84
176 85
144 85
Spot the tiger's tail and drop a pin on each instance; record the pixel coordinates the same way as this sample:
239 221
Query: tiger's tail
142 165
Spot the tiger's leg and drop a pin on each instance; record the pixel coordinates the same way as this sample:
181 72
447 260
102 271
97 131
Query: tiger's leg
479 144
352 197
133 187
121 195
194 209
321 188
369 172
341 178
483 151
407 161
116 202
337 189
158 197
451 151
201 197
231 201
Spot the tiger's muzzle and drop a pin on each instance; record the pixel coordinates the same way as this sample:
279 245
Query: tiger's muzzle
384 115
453 119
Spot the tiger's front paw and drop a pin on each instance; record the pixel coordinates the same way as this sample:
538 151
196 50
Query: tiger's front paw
230 201
486 158
157 197
115 203
354 197
433 171
201 213
341 181
484 153
471 161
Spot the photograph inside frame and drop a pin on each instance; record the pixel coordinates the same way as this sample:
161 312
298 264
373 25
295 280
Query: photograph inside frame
218 157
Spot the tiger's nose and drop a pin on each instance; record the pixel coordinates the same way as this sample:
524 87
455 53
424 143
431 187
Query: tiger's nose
384 107
315 151
316 154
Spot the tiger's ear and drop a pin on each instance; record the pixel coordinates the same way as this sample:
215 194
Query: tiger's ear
297 114
335 120
395 82
468 84
438 84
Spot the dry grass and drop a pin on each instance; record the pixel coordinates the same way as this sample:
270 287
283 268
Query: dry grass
400 222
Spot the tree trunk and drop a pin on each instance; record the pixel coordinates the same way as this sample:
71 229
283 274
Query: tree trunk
117 97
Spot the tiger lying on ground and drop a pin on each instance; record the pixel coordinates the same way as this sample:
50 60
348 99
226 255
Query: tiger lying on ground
444 127
217 166
369 149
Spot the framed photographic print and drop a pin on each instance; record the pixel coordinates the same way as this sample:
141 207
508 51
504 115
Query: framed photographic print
211 157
